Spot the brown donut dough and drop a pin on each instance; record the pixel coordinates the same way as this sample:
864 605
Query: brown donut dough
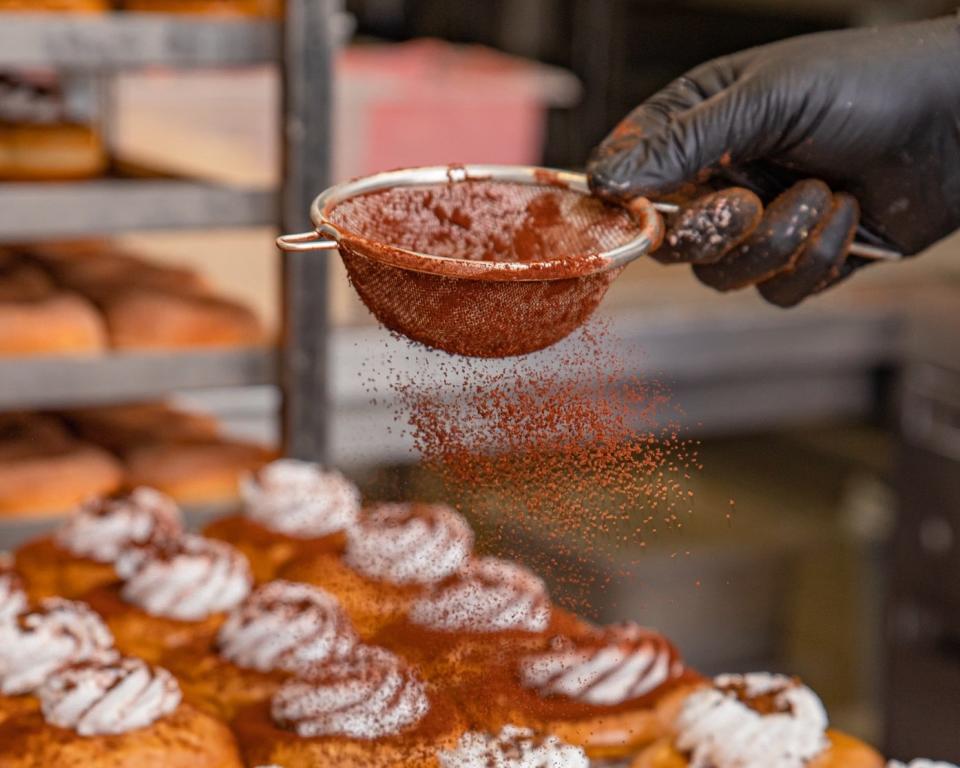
121 428
22 281
50 152
76 6
61 323
148 319
195 473
186 738
99 270
38 484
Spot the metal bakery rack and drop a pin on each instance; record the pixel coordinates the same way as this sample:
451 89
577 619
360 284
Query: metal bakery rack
102 45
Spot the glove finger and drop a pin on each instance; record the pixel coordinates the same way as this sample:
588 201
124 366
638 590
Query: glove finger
843 271
821 257
710 226
636 159
776 243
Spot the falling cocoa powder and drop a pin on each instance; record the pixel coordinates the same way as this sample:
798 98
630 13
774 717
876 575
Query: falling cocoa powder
564 455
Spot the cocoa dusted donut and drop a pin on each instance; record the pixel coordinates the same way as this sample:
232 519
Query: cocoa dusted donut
80 555
116 711
755 721
368 710
289 509
173 593
395 552
279 631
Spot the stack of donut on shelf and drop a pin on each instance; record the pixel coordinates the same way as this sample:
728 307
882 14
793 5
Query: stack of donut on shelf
87 297
50 462
308 630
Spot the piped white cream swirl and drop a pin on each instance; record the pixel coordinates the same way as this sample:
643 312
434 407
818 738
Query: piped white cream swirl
368 695
37 643
13 596
111 697
623 662
300 499
286 626
187 579
409 543
512 748
752 721
488 595
103 528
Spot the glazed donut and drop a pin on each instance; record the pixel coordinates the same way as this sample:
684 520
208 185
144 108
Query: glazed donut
141 318
49 485
59 323
195 473
57 152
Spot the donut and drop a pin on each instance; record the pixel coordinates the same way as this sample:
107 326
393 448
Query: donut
59 323
54 152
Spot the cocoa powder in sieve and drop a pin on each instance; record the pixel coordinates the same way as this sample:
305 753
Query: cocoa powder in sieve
487 221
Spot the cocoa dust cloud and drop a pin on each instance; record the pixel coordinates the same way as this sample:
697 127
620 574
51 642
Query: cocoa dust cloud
561 458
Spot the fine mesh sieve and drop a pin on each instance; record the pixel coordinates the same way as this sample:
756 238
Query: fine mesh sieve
484 261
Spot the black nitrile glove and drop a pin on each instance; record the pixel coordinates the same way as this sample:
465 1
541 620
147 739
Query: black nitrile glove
831 130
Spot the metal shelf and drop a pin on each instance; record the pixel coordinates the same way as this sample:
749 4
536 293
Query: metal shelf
48 382
130 40
47 209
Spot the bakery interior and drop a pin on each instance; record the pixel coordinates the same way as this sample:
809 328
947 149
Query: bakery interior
152 334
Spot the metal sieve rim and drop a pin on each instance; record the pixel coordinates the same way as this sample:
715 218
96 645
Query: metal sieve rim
651 225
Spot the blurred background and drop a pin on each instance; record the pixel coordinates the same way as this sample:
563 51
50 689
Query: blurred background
149 331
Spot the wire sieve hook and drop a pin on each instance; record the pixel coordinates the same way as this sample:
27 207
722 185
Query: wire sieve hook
306 241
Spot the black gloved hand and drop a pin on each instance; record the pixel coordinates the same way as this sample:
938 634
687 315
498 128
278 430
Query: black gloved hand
873 113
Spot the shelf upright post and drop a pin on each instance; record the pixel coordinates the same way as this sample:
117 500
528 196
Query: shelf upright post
308 96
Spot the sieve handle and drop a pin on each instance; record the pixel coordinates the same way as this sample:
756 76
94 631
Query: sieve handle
306 241
857 248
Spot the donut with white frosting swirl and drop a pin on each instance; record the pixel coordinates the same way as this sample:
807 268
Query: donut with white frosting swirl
286 626
108 697
13 596
300 499
408 543
368 695
187 579
103 528
37 643
513 747
488 595
623 662
752 721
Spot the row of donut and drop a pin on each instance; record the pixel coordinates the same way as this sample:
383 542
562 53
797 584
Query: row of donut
88 296
261 8
310 630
